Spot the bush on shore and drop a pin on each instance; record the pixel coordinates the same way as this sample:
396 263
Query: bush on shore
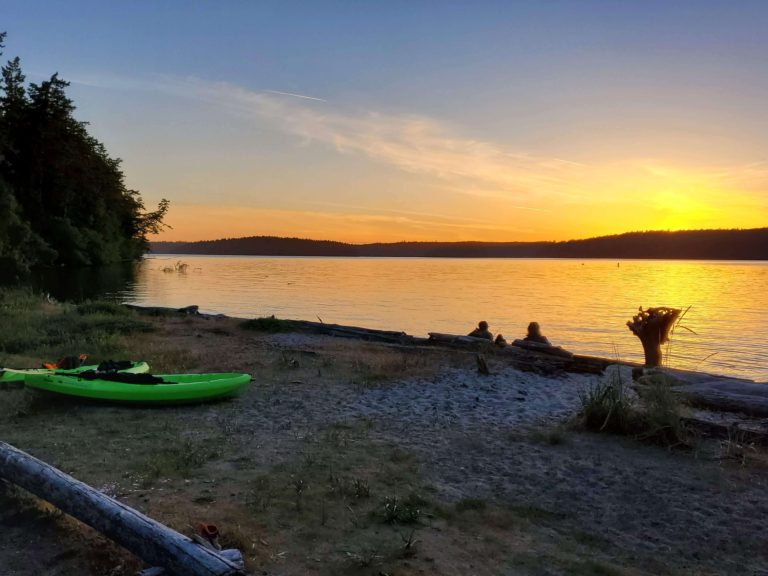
37 328
653 415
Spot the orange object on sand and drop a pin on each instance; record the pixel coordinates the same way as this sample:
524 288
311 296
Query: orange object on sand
209 531
66 363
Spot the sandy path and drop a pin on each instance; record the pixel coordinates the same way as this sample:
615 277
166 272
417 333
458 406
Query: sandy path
476 437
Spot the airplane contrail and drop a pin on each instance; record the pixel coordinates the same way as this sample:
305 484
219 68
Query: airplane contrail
296 95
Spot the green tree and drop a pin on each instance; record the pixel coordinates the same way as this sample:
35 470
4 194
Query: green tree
59 184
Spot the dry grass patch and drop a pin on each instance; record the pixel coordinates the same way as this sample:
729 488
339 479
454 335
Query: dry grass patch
655 415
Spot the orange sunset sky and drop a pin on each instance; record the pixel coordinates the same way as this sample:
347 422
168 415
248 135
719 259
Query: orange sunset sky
429 121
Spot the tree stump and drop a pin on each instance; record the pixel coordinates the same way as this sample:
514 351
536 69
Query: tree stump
653 326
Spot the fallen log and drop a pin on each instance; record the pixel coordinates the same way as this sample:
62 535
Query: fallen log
232 555
151 541
389 336
739 430
543 348
727 395
457 340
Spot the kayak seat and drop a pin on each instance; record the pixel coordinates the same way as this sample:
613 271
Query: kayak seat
112 365
123 377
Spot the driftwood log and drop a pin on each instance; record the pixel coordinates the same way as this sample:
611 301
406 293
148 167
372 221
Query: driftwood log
543 348
652 327
233 556
457 340
390 336
727 395
151 541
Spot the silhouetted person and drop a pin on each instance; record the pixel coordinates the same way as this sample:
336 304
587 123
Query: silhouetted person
535 335
500 341
482 331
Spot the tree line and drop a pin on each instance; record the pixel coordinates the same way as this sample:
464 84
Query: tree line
750 244
63 199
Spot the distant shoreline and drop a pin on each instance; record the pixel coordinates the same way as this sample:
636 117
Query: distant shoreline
739 245
606 259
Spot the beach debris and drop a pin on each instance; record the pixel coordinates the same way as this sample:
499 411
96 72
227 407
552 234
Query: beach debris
156 544
652 326
482 365
482 331
180 267
543 348
192 310
457 340
207 535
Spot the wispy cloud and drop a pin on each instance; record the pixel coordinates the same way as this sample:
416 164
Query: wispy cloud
463 165
411 143
430 219
296 95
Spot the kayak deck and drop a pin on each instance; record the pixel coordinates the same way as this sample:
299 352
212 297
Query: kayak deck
19 375
175 388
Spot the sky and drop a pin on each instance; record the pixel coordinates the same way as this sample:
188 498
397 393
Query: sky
419 120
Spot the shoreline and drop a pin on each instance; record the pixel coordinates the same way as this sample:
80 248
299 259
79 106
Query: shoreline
344 450
405 339
155 255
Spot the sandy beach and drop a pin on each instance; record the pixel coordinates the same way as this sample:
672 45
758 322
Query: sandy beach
350 457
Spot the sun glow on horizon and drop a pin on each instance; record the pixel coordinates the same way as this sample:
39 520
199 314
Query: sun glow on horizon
394 177
603 201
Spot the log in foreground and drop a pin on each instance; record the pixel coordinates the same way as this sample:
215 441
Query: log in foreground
151 541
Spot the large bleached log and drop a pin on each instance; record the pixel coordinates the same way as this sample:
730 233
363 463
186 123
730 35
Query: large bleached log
543 348
728 395
458 340
151 541
234 556
389 336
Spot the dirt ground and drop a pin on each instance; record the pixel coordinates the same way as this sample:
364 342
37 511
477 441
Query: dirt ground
345 457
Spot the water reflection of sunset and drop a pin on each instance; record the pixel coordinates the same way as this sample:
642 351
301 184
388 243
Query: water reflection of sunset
583 306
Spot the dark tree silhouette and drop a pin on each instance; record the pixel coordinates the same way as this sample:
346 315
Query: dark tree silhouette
702 244
63 199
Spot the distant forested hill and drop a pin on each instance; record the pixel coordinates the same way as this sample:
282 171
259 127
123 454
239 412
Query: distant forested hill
690 244
63 200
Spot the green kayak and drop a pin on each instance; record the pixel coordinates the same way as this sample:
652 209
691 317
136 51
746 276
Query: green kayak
14 375
160 388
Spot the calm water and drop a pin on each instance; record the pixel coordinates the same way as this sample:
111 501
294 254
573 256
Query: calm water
582 306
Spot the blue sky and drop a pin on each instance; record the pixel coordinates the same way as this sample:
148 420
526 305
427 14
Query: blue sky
445 120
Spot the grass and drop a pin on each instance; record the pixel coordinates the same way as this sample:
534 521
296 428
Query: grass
34 525
655 416
607 407
268 324
662 414
16 403
397 511
354 500
296 494
556 436
36 328
471 504
178 461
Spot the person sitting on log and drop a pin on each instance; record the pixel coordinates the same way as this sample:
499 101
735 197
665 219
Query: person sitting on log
535 335
500 341
482 331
